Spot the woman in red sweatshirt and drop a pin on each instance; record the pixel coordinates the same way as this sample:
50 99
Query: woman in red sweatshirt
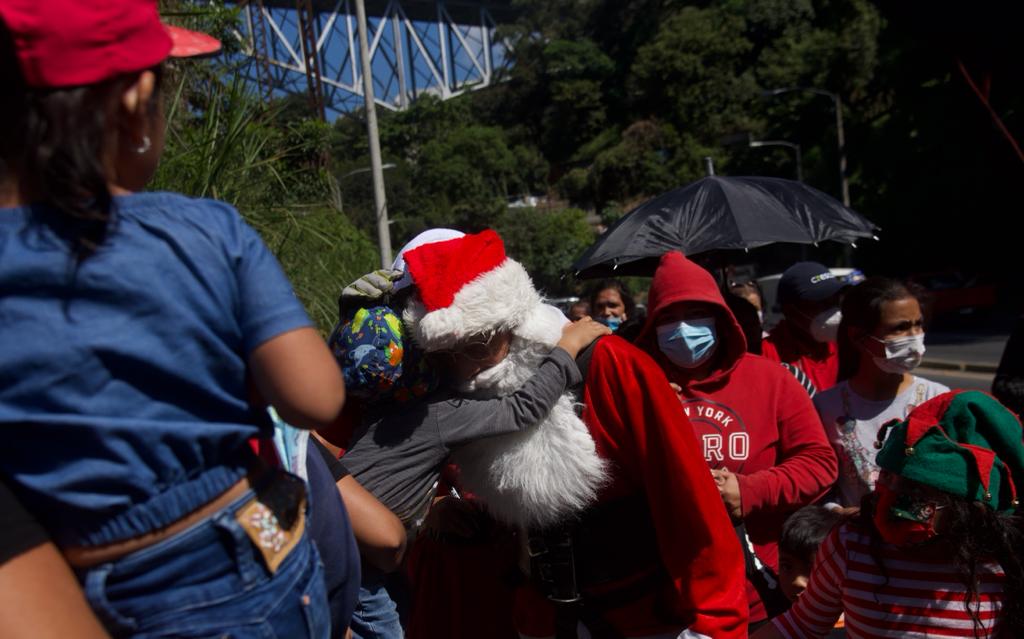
760 434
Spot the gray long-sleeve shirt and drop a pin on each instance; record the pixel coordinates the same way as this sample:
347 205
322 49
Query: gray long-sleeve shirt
398 454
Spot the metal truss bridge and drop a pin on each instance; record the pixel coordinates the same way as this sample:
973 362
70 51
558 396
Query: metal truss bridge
437 47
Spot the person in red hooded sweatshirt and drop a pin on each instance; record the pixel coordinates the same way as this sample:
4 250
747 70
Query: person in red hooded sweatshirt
759 431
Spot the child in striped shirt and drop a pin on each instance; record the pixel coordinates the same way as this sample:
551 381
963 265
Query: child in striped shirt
802 535
933 552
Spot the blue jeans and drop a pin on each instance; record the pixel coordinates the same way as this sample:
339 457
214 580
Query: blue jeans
376 615
211 581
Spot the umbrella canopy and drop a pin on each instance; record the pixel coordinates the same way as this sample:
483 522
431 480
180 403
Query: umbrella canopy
720 213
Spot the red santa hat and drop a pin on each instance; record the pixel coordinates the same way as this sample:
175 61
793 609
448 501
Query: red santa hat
466 286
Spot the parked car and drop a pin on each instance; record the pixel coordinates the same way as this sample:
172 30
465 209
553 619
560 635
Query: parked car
563 303
956 292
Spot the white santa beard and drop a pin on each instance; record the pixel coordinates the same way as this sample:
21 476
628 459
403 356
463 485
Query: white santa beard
508 375
539 476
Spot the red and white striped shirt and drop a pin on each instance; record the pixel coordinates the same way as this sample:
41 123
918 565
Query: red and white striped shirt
920 598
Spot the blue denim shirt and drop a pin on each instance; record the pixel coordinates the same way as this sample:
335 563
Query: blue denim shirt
122 378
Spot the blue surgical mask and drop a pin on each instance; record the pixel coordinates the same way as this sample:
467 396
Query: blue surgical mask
688 344
613 322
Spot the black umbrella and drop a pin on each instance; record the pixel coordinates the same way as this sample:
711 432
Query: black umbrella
720 213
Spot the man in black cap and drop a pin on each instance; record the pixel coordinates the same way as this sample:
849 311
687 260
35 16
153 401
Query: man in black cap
809 296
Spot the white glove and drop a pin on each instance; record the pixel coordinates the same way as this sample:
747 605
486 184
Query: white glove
371 287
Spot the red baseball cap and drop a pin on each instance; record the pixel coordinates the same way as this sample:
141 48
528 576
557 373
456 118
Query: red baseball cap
63 43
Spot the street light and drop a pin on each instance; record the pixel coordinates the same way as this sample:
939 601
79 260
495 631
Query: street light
752 143
379 199
336 183
366 169
840 138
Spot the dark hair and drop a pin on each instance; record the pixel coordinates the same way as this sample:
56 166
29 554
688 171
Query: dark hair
805 529
604 285
747 317
583 304
53 144
862 308
976 534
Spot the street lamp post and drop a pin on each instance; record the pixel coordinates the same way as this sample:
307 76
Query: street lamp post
840 136
379 199
336 183
790 145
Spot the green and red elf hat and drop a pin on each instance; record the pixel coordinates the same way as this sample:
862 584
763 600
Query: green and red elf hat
964 443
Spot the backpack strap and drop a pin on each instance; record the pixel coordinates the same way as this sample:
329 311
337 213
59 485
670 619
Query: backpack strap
801 377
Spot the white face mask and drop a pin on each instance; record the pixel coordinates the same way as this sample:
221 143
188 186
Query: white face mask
825 325
902 354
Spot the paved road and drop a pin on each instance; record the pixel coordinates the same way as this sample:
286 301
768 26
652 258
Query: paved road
977 346
966 355
970 349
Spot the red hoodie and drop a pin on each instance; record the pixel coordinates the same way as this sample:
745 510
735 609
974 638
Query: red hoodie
784 345
750 414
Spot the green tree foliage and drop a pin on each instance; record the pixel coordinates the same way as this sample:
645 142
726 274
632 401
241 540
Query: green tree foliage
451 170
574 112
625 98
691 73
637 166
466 175
546 243
222 143
609 102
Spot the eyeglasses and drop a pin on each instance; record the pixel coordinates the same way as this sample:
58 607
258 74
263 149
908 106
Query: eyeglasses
477 350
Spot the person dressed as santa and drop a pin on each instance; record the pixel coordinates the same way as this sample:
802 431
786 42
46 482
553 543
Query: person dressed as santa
651 552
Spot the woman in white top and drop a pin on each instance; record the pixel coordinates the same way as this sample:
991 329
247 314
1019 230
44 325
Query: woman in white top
881 339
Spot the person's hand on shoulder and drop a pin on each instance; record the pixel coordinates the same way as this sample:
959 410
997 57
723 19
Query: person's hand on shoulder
848 512
580 334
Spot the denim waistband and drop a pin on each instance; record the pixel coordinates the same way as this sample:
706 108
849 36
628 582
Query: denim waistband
203 581
158 512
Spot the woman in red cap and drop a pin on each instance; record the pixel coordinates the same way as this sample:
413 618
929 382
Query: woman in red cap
936 549
136 326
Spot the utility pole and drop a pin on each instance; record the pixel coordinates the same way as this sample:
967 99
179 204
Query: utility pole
336 192
376 167
844 184
841 137
789 145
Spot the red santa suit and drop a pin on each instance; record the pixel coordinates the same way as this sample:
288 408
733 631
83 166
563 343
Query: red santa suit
751 415
633 441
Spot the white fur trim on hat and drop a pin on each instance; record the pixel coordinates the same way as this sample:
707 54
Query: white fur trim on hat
500 299
426 237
